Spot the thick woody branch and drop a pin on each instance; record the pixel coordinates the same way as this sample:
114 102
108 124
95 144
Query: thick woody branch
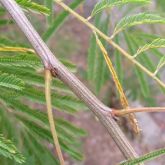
52 63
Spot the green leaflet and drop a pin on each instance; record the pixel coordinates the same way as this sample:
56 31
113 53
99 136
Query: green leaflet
66 103
142 38
70 128
143 83
144 59
5 41
30 77
11 81
92 52
97 68
145 36
140 75
36 123
91 59
29 60
28 4
160 64
44 134
42 154
58 21
72 152
24 60
137 19
50 5
118 63
101 69
111 3
156 43
8 150
4 22
147 157
63 126
147 61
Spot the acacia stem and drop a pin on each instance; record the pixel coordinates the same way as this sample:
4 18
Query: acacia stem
108 39
48 79
50 62
137 110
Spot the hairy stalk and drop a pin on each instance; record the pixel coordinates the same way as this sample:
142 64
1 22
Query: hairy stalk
108 39
123 98
50 62
50 115
136 110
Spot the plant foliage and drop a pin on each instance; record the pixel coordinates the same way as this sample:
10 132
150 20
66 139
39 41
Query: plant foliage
97 68
59 20
21 83
112 3
30 5
137 19
144 158
156 43
8 149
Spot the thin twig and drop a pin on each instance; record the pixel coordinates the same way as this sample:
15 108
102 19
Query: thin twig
137 110
48 79
16 49
123 97
108 39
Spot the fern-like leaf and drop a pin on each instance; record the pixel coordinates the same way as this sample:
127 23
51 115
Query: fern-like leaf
8 149
111 3
7 42
4 22
160 64
24 60
50 6
97 69
44 134
137 19
156 43
11 81
69 104
29 5
59 20
147 157
143 82
118 63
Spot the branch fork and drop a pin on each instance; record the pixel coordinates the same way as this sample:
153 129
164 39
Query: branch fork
59 70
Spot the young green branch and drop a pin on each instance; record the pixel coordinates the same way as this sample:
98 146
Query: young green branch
48 78
109 40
